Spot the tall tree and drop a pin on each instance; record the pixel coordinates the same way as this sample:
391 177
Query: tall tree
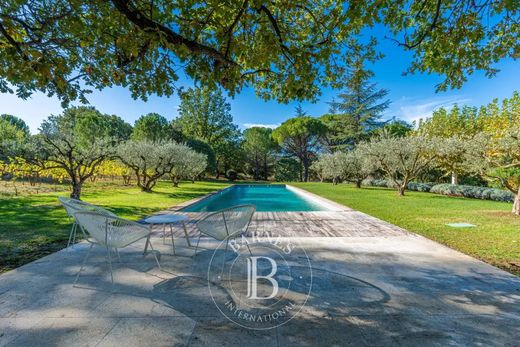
300 137
151 127
361 105
205 114
285 50
259 146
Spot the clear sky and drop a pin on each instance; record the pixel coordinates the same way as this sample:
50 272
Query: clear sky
412 96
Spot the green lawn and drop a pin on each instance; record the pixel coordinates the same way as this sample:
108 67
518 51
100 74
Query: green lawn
496 239
35 225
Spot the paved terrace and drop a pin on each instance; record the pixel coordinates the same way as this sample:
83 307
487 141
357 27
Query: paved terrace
374 284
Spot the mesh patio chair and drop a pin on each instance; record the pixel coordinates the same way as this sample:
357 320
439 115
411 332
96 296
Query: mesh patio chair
226 224
72 206
112 233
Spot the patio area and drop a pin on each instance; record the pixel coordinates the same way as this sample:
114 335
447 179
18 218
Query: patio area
373 284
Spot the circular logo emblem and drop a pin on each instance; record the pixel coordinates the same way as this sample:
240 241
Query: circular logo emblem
267 280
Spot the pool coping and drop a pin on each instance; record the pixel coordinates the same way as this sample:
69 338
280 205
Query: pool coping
329 204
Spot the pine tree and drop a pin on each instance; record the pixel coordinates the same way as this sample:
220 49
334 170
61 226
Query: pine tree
361 106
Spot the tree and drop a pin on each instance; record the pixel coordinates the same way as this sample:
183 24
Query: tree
496 150
151 127
259 146
77 141
300 137
395 128
287 170
357 167
188 164
18 123
151 160
455 126
361 105
284 50
330 166
10 133
205 115
202 147
401 159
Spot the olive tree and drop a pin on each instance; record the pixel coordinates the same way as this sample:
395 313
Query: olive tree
357 167
498 159
150 160
77 141
401 159
187 164
330 167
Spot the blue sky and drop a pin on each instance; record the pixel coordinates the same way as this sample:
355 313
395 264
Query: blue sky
412 96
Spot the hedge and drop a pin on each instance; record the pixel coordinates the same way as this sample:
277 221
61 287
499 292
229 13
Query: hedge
473 192
416 186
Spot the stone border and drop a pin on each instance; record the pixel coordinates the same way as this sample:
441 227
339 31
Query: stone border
329 204
179 207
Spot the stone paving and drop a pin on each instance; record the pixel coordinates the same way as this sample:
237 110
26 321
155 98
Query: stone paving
393 289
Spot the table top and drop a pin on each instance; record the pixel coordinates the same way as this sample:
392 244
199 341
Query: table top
166 218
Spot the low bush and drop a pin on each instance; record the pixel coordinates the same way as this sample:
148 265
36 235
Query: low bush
483 193
416 186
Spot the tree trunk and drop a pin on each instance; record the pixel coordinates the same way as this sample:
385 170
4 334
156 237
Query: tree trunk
306 170
301 170
175 181
454 178
516 203
76 190
401 189
358 183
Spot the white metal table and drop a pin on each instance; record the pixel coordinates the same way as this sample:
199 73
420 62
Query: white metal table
168 219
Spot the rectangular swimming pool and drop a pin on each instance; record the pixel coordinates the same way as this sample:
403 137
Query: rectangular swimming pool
266 198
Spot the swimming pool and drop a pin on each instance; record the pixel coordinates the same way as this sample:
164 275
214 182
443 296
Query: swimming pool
266 198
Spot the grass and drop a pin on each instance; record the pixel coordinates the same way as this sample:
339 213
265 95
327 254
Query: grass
35 225
495 239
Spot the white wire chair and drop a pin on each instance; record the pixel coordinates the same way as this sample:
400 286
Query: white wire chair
226 224
72 206
111 232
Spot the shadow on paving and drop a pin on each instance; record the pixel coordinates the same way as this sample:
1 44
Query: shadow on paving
357 298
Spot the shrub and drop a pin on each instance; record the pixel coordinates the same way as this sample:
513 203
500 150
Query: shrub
231 175
484 193
416 186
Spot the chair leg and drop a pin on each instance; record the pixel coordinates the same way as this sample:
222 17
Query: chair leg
155 256
247 244
72 231
146 244
74 235
164 234
83 263
110 264
186 234
173 242
224 259
197 246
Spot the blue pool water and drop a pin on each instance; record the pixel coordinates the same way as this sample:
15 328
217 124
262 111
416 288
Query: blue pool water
266 198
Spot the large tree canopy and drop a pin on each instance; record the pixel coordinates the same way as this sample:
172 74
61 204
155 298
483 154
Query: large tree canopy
285 49
300 137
